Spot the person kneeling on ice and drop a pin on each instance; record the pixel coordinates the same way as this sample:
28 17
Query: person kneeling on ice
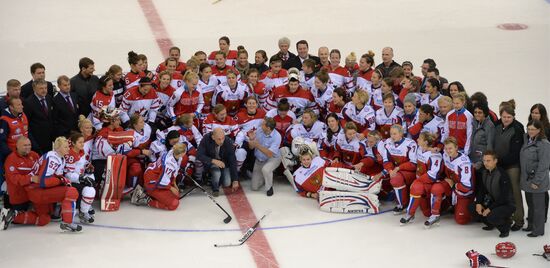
159 180
44 186
338 190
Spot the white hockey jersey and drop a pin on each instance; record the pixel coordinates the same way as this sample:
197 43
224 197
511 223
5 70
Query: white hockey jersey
363 119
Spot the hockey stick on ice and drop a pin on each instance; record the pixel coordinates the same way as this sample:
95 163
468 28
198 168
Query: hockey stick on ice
197 185
188 192
246 235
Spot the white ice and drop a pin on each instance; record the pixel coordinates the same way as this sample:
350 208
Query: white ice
460 35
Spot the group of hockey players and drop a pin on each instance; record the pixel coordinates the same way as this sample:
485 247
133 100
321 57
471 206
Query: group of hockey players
353 133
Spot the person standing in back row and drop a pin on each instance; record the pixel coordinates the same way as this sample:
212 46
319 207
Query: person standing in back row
85 84
507 144
535 181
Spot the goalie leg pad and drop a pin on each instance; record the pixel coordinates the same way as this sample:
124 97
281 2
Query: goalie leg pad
344 179
287 158
115 179
348 202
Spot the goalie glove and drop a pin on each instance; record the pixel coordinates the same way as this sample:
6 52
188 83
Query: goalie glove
86 181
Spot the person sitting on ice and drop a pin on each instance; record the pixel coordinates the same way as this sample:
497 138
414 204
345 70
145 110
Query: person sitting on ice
337 189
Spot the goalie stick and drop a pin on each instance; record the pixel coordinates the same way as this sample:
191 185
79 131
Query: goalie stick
197 185
246 235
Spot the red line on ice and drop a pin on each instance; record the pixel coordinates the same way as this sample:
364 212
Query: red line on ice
156 25
258 244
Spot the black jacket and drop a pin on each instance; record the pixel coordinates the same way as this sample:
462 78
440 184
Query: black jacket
494 189
297 63
41 126
387 70
84 89
207 152
26 90
65 118
507 143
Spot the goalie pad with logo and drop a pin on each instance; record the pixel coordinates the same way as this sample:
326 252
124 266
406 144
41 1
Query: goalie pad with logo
344 179
348 202
115 180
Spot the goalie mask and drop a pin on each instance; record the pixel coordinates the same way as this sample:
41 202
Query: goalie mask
300 145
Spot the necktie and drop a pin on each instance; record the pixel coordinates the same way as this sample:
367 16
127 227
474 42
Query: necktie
44 106
70 103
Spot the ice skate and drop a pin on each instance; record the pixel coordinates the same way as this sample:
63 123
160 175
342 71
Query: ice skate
434 219
70 227
406 220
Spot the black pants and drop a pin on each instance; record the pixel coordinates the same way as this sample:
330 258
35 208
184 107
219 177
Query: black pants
499 217
99 170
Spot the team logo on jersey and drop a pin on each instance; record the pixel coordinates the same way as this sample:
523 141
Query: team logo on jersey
12 168
14 122
17 131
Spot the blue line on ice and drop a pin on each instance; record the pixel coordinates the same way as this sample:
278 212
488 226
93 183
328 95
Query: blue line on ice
127 228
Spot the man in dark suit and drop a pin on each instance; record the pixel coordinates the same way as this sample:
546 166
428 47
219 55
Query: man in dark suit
39 110
303 48
66 110
217 154
38 71
284 54
85 84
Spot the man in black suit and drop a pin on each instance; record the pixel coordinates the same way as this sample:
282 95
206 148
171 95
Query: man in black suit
39 110
284 54
217 154
38 71
85 84
303 48
65 108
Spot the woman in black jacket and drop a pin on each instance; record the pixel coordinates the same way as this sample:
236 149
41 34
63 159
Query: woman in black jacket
507 144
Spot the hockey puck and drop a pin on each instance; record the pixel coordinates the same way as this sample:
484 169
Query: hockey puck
512 26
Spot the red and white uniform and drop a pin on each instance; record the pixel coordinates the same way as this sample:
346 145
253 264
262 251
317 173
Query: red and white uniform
402 155
310 180
300 100
180 68
314 133
376 100
363 119
102 148
322 98
164 97
260 91
232 98
192 134
426 99
384 120
364 80
158 179
75 164
132 79
428 171
231 58
50 168
340 77
221 74
329 143
307 80
185 101
146 105
281 123
276 79
229 126
459 124
459 170
100 100
350 152
435 126
207 88
248 122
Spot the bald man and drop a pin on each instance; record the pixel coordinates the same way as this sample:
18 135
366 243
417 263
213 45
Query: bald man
217 153
323 56
388 64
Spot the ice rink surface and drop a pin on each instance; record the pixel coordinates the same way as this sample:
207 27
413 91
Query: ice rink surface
462 37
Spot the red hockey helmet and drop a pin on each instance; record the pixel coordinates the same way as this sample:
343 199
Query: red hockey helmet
505 249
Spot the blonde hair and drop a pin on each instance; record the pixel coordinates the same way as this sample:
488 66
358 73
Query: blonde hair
184 119
446 99
398 128
59 141
82 120
461 96
351 57
362 95
428 137
163 73
190 75
179 149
